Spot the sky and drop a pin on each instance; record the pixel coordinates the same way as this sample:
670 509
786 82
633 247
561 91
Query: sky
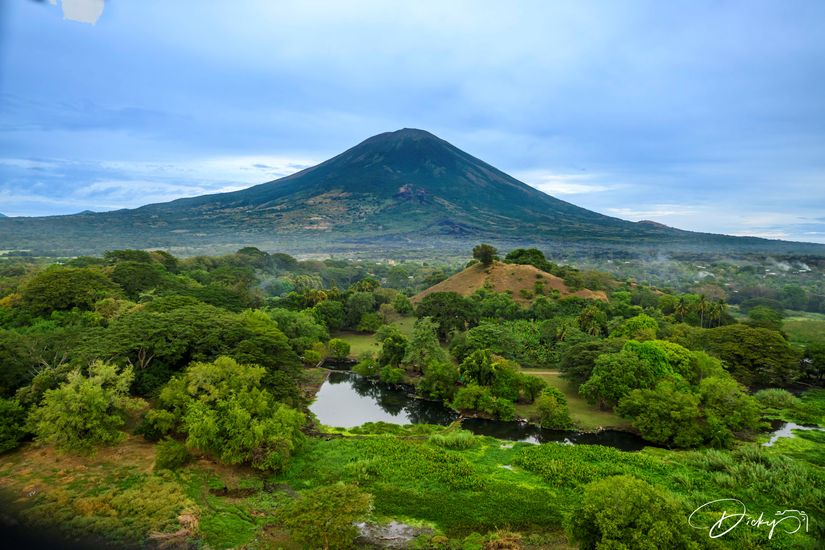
702 115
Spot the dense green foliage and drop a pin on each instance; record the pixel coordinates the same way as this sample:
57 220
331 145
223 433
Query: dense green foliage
551 410
170 455
12 421
86 410
485 253
625 512
324 517
223 409
215 345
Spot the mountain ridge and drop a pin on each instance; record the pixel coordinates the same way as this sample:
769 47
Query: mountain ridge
401 189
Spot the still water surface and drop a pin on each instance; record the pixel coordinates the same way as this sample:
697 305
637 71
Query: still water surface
347 400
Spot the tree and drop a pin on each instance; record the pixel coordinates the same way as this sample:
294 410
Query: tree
485 253
86 410
765 317
301 327
393 349
550 410
424 346
402 304
727 409
15 361
676 414
794 297
478 368
358 304
475 398
639 365
223 410
439 380
813 365
681 309
641 327
488 304
702 308
330 313
532 386
367 284
755 356
507 380
64 288
325 517
626 512
578 361
668 414
370 322
12 424
338 349
593 321
450 310
137 277
530 256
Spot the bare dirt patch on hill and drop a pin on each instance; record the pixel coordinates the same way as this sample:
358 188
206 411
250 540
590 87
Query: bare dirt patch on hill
515 279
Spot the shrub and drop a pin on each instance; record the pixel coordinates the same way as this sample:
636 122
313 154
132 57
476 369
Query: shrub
311 357
170 455
155 424
324 517
370 322
439 380
458 440
551 410
505 409
338 349
223 410
392 375
86 410
775 398
12 420
366 366
626 512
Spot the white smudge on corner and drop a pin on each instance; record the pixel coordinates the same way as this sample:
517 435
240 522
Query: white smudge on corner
85 11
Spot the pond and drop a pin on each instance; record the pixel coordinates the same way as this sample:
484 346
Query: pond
347 400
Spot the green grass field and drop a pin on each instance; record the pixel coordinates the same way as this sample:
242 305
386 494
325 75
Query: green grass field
361 342
584 415
805 328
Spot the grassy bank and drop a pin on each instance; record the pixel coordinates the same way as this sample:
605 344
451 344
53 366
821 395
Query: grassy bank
487 485
584 415
361 342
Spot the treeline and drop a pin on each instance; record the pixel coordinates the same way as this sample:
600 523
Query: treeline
678 366
199 348
138 325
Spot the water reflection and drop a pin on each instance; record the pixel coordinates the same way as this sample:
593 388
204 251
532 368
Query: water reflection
347 400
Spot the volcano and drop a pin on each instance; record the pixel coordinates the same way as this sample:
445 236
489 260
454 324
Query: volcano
406 189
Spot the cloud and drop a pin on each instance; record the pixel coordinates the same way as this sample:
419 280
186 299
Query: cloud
654 211
700 115
67 186
565 184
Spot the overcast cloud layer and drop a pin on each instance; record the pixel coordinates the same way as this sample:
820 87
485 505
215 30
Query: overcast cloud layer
702 115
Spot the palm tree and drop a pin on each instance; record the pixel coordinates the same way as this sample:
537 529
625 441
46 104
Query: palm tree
717 310
702 307
681 309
